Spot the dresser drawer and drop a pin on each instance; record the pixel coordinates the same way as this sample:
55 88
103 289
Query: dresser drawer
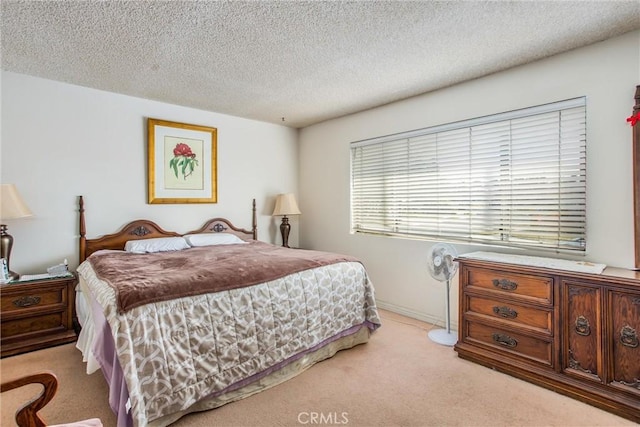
507 341
537 319
28 327
524 287
17 301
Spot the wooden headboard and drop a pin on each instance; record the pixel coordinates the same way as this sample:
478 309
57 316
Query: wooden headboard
145 229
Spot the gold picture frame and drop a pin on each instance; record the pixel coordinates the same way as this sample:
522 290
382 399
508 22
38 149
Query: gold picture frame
181 162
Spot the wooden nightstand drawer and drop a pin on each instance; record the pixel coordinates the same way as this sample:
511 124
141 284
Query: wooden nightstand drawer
53 297
510 313
525 287
511 342
36 314
33 326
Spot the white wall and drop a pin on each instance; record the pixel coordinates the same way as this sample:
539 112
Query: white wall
606 73
60 141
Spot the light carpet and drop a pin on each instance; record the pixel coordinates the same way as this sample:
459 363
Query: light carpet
399 378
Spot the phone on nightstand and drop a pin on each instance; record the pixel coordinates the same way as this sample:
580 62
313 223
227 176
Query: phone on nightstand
59 269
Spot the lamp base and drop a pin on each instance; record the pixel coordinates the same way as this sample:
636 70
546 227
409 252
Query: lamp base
285 228
6 243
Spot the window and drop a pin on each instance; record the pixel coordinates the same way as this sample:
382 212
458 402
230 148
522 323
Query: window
513 179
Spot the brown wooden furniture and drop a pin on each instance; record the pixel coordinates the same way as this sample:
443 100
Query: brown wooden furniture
36 314
27 414
574 333
635 147
145 229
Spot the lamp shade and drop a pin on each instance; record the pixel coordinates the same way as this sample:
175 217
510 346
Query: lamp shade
286 205
11 204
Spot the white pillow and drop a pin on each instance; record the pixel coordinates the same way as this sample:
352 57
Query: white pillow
209 239
160 244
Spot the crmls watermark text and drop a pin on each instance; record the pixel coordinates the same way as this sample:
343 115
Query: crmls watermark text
322 418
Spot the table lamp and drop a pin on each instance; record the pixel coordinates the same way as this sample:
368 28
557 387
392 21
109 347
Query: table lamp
286 205
11 207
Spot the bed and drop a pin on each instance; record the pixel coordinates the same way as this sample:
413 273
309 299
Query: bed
191 329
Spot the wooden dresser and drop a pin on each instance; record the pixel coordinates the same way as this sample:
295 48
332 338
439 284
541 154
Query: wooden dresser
36 314
575 333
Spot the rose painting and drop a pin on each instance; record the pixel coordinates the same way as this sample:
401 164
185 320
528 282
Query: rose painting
182 162
184 159
183 169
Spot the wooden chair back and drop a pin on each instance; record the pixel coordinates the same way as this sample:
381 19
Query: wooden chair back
27 415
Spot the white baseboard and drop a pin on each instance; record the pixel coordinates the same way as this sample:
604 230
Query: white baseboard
415 314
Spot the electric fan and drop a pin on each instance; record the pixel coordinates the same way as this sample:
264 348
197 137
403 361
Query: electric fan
442 268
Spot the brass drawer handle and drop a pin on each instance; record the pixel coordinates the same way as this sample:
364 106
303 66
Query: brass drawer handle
27 301
629 337
505 340
505 285
582 326
506 312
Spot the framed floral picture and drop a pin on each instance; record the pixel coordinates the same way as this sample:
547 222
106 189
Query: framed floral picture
182 163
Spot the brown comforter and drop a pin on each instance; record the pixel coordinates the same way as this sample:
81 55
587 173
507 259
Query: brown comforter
140 279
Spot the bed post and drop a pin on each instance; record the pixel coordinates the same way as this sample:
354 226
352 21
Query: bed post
254 222
636 177
83 231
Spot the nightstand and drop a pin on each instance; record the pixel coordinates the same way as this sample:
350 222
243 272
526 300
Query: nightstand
36 314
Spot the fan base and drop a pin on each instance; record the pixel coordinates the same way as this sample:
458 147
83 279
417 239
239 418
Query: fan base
441 336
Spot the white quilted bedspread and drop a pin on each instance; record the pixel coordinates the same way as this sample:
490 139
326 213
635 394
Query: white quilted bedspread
175 353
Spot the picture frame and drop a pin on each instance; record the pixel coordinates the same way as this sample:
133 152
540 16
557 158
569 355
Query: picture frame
181 163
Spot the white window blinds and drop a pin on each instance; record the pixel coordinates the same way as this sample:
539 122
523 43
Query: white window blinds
515 179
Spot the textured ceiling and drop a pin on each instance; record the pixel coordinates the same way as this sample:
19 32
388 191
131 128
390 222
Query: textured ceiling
304 61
